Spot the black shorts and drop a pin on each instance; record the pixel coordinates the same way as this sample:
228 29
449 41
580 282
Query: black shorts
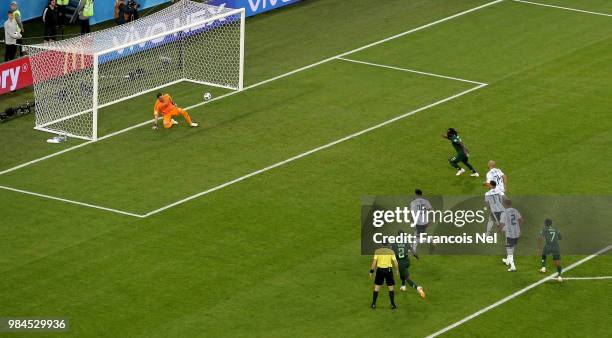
420 229
384 274
511 242
50 33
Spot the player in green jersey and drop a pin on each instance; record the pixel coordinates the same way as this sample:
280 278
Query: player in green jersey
402 254
551 237
462 153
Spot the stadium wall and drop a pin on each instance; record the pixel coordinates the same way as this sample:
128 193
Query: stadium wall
105 10
16 74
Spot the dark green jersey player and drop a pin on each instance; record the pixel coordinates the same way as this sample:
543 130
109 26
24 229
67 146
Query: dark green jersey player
402 254
550 237
462 153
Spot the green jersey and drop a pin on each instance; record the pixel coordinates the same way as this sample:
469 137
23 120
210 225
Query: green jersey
402 250
456 142
552 237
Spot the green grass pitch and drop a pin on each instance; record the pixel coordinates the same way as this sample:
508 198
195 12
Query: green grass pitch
277 254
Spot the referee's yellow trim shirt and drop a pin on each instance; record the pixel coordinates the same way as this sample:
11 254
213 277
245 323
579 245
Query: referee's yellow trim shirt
384 258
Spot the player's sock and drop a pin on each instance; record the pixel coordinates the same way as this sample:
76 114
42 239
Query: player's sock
559 269
374 297
455 165
543 260
392 297
489 226
469 166
186 116
412 284
403 281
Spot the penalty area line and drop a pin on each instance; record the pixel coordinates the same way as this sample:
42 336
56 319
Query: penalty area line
312 151
565 8
72 202
278 77
587 278
517 293
410 70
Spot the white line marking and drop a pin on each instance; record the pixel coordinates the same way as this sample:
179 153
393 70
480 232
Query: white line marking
72 202
410 70
566 8
260 83
312 151
587 278
516 294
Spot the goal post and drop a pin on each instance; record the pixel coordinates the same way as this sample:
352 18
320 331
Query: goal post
188 41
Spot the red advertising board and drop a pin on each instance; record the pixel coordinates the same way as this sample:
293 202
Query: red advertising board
15 75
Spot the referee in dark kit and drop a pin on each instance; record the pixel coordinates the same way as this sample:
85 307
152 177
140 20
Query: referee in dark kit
384 261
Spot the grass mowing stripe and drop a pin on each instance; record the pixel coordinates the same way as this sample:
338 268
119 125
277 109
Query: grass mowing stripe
565 8
261 83
312 151
516 294
72 202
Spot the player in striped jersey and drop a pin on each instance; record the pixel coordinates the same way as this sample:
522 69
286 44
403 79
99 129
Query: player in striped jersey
422 205
494 200
510 222
495 174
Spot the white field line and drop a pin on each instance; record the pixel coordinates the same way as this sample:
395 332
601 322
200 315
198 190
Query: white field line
261 83
517 293
72 202
587 278
566 8
410 71
312 151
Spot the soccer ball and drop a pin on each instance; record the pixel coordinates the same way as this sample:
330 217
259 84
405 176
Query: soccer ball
207 96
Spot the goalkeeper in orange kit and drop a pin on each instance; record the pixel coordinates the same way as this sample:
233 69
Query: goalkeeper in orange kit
164 105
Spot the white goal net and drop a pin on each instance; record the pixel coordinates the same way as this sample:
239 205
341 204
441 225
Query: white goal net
188 41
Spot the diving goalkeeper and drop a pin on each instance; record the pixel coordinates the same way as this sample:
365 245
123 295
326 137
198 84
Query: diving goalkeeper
164 105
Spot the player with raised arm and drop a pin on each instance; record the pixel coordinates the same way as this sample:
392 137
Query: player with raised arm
165 106
551 237
462 153
421 205
402 255
510 222
495 174
494 200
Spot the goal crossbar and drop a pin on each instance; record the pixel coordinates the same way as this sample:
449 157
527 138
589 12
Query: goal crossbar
172 31
185 42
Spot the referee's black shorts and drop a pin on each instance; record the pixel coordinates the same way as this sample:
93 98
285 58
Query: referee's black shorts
384 274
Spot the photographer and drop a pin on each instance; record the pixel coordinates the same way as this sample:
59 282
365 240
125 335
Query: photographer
133 7
50 18
126 12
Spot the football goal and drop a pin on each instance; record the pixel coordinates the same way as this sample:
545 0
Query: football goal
188 41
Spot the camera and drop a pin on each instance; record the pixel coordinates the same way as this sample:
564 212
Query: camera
132 4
